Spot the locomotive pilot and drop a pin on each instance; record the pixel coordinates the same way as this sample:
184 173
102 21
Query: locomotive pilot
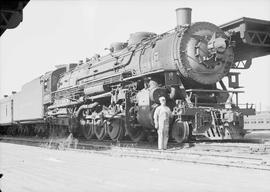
162 117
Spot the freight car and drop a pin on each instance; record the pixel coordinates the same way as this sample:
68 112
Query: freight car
116 95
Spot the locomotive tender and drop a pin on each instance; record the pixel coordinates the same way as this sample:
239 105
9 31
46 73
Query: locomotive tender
116 95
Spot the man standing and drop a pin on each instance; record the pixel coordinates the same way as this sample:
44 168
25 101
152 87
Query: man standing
162 120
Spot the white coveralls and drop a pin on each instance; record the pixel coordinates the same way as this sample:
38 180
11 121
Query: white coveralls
162 120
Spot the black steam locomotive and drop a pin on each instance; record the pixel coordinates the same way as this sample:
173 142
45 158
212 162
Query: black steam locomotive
116 95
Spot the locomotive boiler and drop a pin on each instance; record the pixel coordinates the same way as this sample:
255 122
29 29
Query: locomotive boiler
116 94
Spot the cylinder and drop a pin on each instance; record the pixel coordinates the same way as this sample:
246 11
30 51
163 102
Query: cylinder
183 16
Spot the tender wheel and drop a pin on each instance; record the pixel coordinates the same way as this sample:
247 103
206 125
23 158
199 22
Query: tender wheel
180 131
52 132
116 129
12 131
100 129
40 130
73 124
63 130
59 131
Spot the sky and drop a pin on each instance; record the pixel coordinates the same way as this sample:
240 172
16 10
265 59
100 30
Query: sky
57 32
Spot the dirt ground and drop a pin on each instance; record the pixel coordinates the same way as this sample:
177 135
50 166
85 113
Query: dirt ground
35 169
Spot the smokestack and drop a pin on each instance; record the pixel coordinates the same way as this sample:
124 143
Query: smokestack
183 16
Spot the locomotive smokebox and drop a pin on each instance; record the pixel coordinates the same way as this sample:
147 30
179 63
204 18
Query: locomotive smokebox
183 16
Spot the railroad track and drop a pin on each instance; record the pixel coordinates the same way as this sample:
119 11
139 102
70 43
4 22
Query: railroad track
241 155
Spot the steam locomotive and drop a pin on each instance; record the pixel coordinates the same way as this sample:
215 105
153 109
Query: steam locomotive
116 95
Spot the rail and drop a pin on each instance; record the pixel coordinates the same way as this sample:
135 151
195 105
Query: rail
240 155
